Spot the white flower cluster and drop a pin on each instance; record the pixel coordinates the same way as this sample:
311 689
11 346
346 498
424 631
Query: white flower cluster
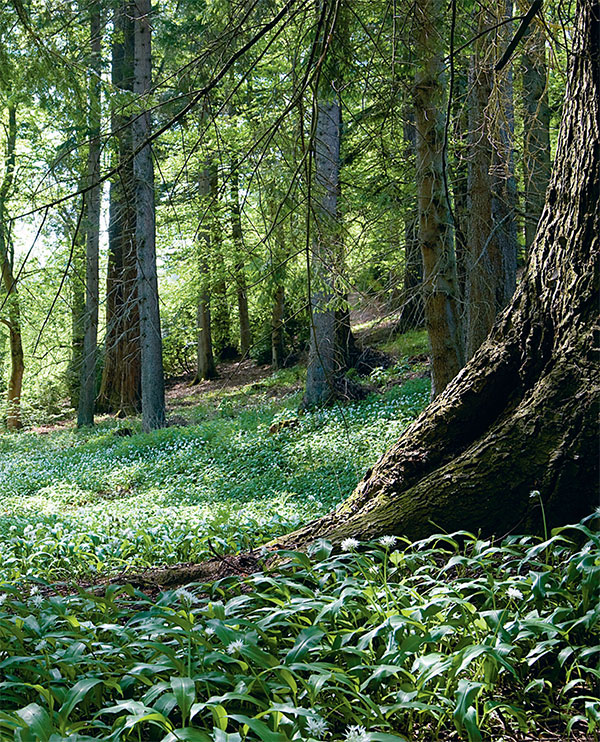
316 727
514 593
388 541
235 646
356 733
349 544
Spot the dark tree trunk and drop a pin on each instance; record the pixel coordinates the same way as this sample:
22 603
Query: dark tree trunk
440 288
277 345
77 286
536 128
17 364
240 272
323 355
523 414
87 386
120 387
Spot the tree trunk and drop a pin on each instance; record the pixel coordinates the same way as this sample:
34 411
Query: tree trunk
504 184
536 128
120 388
277 345
323 354
523 414
87 387
153 382
17 365
435 229
206 368
240 274
77 286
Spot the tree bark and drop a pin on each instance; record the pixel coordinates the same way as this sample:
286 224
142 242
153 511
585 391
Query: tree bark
17 364
120 387
153 383
87 387
522 415
240 274
322 358
536 128
435 228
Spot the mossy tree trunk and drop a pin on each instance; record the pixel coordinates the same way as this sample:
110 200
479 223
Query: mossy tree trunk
522 415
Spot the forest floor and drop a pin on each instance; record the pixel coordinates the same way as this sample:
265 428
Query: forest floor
136 601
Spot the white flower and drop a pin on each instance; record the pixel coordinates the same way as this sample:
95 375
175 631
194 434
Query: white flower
37 600
209 631
348 544
533 494
3 598
235 646
316 727
514 593
388 541
357 733
186 596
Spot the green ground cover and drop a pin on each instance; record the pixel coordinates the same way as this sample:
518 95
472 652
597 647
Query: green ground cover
74 503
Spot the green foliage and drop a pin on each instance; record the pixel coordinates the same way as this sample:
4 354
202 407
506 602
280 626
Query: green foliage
388 640
85 502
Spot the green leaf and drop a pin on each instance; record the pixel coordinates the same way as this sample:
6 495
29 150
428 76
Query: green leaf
184 691
37 720
305 641
259 728
75 695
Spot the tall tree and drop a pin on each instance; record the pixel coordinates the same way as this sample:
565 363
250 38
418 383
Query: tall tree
87 391
7 257
239 269
120 388
440 290
523 413
207 189
153 384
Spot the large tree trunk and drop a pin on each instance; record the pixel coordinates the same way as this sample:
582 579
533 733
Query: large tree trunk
153 382
523 414
440 286
87 387
120 387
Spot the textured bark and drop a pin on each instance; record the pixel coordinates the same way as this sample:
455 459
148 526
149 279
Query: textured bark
120 387
523 413
87 387
536 128
17 364
322 357
153 383
77 291
277 346
435 229
240 273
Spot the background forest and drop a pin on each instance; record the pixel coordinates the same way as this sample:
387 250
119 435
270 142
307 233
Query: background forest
249 251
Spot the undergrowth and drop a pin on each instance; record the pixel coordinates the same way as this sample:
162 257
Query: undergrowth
452 637
80 503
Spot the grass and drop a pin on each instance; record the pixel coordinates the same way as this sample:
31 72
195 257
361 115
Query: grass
79 503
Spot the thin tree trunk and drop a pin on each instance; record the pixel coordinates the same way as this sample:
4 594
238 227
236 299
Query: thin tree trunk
17 365
504 184
77 285
536 128
240 274
435 228
323 362
153 389
523 414
206 368
87 392
120 388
